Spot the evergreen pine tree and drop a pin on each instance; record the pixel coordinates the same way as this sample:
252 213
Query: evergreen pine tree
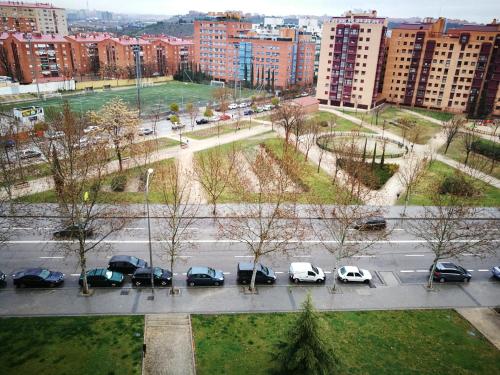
272 82
374 154
258 76
307 350
251 76
262 76
382 159
268 81
364 150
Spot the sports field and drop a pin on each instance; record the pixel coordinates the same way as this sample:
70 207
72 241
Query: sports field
161 94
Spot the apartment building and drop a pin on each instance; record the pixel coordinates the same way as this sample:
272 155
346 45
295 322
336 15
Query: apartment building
85 52
226 48
171 53
456 70
351 59
18 16
37 57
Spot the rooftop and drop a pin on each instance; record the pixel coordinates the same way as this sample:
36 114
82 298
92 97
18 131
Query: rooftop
93 37
21 4
38 37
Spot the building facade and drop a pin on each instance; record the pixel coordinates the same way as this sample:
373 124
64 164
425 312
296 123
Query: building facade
228 50
17 16
171 53
351 59
85 53
456 70
38 57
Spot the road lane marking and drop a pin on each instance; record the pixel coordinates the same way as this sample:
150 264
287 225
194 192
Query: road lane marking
51 257
226 273
184 273
278 272
243 256
21 228
134 228
75 274
301 256
421 271
398 229
364 256
327 272
406 271
414 255
482 270
470 270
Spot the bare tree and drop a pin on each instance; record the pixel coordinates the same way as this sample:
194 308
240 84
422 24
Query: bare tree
450 228
178 214
289 116
79 174
119 123
215 170
468 139
452 128
309 138
269 224
411 173
192 111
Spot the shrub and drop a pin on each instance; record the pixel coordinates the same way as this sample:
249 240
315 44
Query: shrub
487 148
323 124
457 184
40 126
118 183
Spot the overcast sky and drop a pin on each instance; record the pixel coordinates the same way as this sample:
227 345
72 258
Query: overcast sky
472 10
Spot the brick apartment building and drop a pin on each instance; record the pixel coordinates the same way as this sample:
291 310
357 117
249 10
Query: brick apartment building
32 17
226 48
351 60
85 52
44 56
171 53
456 70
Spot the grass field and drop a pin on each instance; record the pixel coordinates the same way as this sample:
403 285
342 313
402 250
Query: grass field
161 94
456 152
438 115
341 124
220 129
425 129
490 196
375 342
109 345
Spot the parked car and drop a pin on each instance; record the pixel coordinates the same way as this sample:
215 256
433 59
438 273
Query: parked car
37 277
243 105
145 131
142 276
302 271
447 271
353 274
371 223
233 106
91 129
28 154
3 279
264 275
214 118
72 231
178 126
268 107
126 264
248 112
495 271
102 277
202 121
204 276
53 134
7 143
224 117
259 109
304 94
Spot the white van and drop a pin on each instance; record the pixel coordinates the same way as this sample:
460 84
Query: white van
306 272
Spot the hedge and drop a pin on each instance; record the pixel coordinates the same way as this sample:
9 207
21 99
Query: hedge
487 148
118 183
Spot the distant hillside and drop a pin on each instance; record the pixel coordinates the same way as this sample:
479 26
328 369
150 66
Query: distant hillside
163 27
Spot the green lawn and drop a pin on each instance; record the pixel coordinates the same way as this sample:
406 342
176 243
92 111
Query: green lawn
319 185
490 196
425 129
373 342
341 124
83 345
438 115
456 152
220 129
163 94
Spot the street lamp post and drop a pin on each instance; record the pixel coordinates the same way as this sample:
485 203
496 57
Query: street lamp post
150 171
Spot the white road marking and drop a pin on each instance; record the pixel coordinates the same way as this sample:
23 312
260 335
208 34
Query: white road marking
470 270
243 256
301 256
278 272
421 271
364 256
189 228
184 256
327 271
175 274
75 274
226 273
406 271
21 228
134 228
184 273
51 257
483 270
414 255
398 229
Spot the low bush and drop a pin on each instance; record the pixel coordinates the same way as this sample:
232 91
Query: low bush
458 184
118 183
487 148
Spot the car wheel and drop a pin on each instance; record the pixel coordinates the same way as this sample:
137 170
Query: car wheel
442 280
367 281
319 281
345 281
163 283
191 283
296 281
113 284
243 281
51 285
216 283
137 283
269 281
467 279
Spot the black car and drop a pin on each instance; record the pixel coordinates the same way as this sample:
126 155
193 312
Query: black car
126 264
204 276
3 279
142 276
371 223
248 112
102 277
73 231
264 275
447 271
202 121
37 277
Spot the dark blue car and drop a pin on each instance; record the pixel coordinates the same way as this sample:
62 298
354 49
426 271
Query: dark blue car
37 277
495 271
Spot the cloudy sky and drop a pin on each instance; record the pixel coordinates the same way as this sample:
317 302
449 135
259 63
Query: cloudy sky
475 10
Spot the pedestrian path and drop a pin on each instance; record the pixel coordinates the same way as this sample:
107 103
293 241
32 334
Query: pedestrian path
168 345
485 320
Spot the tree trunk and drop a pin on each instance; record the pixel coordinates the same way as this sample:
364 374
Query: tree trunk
214 207
407 197
83 266
319 161
254 273
172 288
334 273
119 156
466 157
447 145
431 276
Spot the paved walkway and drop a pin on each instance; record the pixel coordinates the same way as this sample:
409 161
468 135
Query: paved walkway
169 345
485 320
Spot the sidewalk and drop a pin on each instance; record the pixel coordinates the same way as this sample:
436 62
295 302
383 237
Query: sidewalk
486 321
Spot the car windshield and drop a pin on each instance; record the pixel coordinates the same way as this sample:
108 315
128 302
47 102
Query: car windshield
134 260
158 272
361 273
342 270
315 269
265 270
211 272
109 274
44 274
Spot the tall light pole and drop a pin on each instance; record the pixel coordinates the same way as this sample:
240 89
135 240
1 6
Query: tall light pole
150 172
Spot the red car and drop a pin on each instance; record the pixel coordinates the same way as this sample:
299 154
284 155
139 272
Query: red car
224 117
